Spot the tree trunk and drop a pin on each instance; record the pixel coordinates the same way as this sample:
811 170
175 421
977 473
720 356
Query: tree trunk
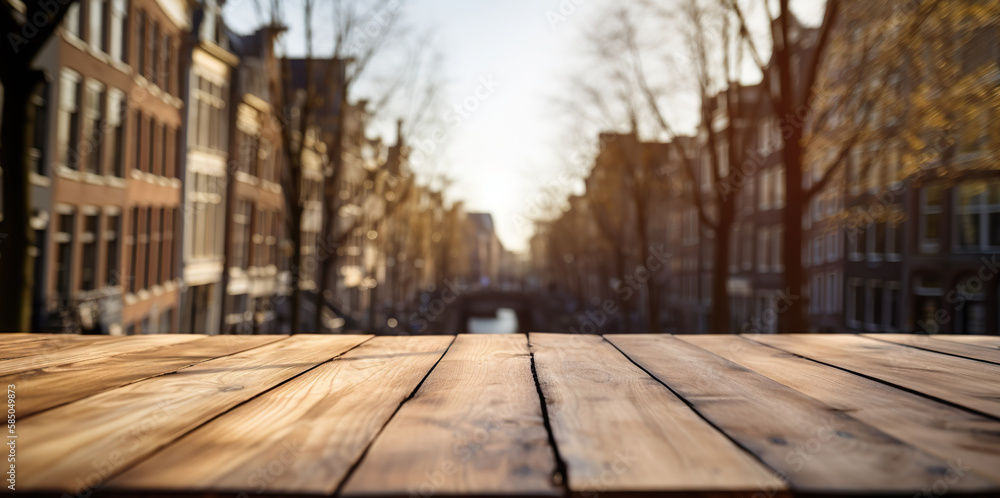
16 262
791 307
652 296
295 312
331 208
720 270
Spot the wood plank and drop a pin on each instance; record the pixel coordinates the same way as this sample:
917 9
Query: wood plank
972 384
92 349
317 425
923 341
986 341
43 388
815 446
9 336
619 430
43 344
77 447
475 426
950 433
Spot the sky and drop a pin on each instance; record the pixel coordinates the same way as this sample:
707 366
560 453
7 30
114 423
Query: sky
506 63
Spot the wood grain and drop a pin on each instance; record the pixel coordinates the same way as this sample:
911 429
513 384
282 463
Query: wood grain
815 446
620 430
43 388
475 426
83 350
972 384
929 343
78 446
986 341
301 437
950 433
42 344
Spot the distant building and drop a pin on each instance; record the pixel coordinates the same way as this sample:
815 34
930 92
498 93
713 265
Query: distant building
255 269
106 187
484 249
208 67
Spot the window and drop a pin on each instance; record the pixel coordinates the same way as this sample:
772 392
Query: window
139 121
208 130
272 239
977 215
777 262
93 123
133 244
64 255
855 302
118 37
98 12
116 122
894 235
816 294
832 246
206 209
764 178
763 238
928 291
832 292
734 247
39 104
169 152
154 260
140 37
265 169
817 249
73 21
856 237
165 75
892 304
69 119
931 208
778 178
876 240
112 238
874 312
89 239
152 65
167 227
151 166
162 161
258 239
241 233
144 236
748 247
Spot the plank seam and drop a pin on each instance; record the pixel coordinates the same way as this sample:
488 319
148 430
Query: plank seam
956 355
122 470
151 376
357 463
884 382
778 473
562 471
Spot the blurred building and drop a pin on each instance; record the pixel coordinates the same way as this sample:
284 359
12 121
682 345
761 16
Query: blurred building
484 248
209 66
106 185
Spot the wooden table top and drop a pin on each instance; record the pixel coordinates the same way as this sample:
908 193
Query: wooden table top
492 415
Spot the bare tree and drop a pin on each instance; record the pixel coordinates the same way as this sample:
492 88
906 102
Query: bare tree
832 88
363 31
